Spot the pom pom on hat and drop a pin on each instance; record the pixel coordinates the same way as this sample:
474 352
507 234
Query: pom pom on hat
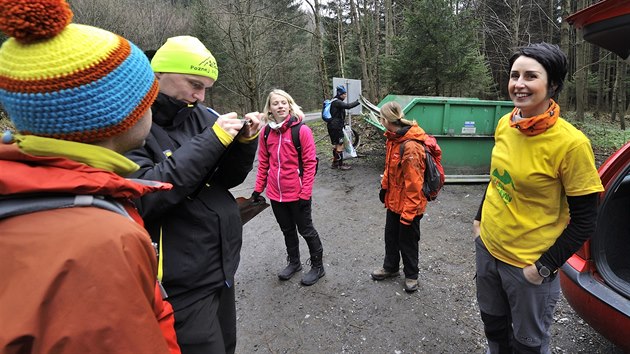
29 21
69 81
185 55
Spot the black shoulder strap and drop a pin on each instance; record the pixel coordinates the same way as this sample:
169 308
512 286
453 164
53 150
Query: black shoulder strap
295 136
163 140
266 133
12 206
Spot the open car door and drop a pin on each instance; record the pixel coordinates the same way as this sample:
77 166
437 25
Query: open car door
596 279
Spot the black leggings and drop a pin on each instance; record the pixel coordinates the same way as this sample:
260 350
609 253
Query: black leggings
294 217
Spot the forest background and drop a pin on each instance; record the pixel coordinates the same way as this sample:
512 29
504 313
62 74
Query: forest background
455 48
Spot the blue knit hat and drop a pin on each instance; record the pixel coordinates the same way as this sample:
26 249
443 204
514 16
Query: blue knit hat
341 90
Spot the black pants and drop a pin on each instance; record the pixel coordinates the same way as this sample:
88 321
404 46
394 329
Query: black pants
294 217
402 242
208 325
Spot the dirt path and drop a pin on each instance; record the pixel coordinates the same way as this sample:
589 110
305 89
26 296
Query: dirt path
347 312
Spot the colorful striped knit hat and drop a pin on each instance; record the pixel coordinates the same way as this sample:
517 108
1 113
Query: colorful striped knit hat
69 81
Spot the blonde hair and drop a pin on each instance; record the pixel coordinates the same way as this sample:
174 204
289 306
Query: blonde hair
294 109
393 113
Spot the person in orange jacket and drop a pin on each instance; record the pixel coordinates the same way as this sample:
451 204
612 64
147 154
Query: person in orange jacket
401 192
75 279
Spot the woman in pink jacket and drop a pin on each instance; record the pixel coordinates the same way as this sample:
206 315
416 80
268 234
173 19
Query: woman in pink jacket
289 183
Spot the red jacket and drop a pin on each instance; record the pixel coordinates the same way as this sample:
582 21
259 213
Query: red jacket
278 163
78 279
404 175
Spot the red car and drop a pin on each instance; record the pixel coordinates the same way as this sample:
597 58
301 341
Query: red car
596 280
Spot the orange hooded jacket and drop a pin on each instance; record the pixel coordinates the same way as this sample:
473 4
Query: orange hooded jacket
78 279
404 175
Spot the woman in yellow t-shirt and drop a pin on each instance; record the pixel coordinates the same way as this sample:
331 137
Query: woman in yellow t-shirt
542 172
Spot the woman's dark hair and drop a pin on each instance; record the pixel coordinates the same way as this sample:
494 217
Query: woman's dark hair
551 58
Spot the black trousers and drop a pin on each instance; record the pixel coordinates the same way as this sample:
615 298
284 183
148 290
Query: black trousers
208 325
401 241
294 217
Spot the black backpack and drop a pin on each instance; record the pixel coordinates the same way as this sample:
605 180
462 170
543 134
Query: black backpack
295 136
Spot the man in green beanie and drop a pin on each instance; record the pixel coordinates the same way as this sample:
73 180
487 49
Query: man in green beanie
197 225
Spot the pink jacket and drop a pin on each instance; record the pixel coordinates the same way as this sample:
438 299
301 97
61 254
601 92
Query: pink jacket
278 163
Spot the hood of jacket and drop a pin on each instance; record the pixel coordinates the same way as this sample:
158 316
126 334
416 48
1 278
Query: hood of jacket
408 132
24 173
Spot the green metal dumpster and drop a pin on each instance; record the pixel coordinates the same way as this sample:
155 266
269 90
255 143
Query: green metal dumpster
464 128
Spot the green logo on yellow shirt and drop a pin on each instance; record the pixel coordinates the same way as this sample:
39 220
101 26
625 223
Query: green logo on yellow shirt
500 182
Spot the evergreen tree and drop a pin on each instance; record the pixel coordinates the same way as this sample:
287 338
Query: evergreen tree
437 53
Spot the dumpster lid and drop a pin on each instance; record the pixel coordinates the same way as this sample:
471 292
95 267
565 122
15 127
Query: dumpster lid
606 24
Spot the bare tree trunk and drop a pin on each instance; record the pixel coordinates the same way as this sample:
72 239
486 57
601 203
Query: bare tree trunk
377 49
362 50
389 28
516 24
319 42
605 85
551 29
601 70
622 94
340 41
565 45
615 92
580 77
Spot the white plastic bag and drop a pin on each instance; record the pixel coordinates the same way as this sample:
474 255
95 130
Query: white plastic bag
348 148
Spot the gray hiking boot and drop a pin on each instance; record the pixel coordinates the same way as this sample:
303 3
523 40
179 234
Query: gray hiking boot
382 274
291 268
411 285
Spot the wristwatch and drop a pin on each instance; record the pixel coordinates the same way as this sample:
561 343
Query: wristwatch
543 271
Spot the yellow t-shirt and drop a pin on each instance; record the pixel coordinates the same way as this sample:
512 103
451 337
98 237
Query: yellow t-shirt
526 209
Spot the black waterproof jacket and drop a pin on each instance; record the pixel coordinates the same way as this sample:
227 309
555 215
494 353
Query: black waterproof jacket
198 223
338 112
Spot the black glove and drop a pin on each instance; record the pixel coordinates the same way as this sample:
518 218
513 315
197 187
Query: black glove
257 198
381 195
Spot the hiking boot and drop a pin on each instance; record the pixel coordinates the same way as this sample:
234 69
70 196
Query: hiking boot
411 285
382 274
313 275
317 266
335 162
289 270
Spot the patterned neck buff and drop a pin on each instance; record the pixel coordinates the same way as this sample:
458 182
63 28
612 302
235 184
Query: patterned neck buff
537 124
